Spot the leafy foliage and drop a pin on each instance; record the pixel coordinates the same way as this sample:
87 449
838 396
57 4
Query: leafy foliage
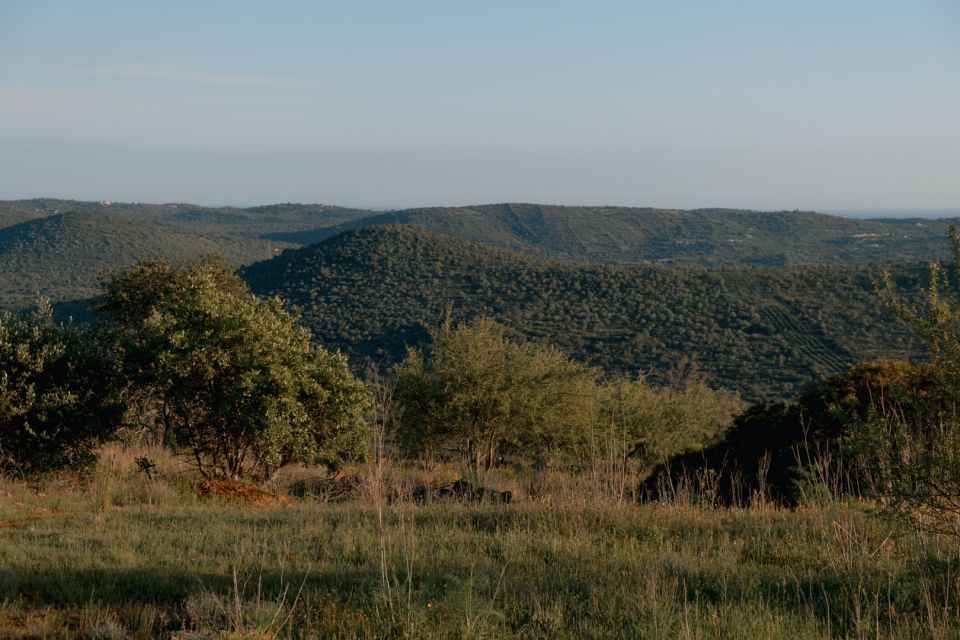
236 383
480 393
935 312
911 443
773 447
57 402
656 423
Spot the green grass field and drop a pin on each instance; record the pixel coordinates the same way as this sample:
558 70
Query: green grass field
119 556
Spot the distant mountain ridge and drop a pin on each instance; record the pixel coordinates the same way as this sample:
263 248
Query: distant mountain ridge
766 331
61 256
668 236
253 222
706 237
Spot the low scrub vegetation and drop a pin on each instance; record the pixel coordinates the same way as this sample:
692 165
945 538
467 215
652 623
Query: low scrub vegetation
482 396
249 485
772 448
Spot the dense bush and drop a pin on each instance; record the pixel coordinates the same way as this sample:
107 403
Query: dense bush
57 400
234 381
655 423
479 393
773 448
911 444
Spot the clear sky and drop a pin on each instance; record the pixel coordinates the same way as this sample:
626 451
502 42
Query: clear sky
819 104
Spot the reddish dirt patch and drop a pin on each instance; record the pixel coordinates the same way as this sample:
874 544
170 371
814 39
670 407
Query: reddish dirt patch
242 492
11 522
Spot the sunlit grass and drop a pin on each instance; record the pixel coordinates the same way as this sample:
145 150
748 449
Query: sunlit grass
123 556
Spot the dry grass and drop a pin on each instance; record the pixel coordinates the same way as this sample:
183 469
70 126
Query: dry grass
123 555
242 493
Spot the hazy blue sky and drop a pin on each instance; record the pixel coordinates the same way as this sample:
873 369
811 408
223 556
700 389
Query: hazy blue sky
763 104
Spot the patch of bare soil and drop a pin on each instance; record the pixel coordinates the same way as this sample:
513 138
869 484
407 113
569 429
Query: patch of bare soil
241 492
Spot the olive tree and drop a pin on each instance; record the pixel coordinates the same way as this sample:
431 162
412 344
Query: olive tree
478 392
235 380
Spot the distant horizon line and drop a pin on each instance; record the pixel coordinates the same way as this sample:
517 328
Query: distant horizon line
850 212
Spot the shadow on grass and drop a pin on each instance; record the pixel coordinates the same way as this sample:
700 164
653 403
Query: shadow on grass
158 586
827 595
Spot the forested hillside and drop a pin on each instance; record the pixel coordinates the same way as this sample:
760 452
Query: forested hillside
62 256
253 222
764 331
581 234
14 213
670 236
669 294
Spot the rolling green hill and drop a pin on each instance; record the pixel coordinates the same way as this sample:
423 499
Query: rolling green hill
762 330
698 237
14 213
659 287
701 237
61 255
253 222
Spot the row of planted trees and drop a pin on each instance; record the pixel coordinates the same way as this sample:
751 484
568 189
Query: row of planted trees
188 355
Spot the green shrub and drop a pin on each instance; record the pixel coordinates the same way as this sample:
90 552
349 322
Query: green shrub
911 444
774 450
479 393
654 423
57 397
234 380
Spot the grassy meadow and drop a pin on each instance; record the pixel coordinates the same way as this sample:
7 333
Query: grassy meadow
121 555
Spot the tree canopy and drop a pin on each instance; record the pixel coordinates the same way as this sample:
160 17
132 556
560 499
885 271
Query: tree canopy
480 392
910 445
235 380
58 397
